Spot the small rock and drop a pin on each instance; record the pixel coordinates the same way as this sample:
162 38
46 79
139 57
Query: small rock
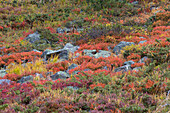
143 60
25 79
4 80
72 66
36 50
141 42
129 62
71 87
123 68
122 44
33 37
60 75
59 30
62 54
105 67
87 69
39 75
49 73
135 2
136 68
102 53
2 73
142 37
70 47
89 52
66 30
80 29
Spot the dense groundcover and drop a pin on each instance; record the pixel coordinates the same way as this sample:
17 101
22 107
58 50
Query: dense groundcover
80 56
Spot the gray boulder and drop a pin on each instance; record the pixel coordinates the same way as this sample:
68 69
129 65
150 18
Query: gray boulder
106 68
36 50
102 53
80 29
87 69
122 44
89 52
72 66
4 81
123 68
136 68
25 79
73 88
60 75
135 2
39 75
59 30
142 37
143 60
129 62
61 53
141 42
2 73
33 37
70 47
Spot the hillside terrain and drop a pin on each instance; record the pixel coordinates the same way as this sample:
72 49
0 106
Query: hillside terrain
84 56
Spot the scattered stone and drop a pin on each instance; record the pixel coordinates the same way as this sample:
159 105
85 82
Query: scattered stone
122 44
102 53
33 37
73 88
39 75
61 53
72 66
80 29
25 79
141 42
142 37
49 74
143 60
159 11
87 69
123 68
60 75
36 50
105 67
59 30
89 52
2 73
136 68
129 62
70 47
135 2
66 30
4 80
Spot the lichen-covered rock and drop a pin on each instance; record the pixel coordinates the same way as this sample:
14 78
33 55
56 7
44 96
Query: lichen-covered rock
33 37
70 47
122 44
89 52
143 60
26 79
61 53
4 81
2 73
129 62
102 53
141 42
123 68
136 68
60 75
